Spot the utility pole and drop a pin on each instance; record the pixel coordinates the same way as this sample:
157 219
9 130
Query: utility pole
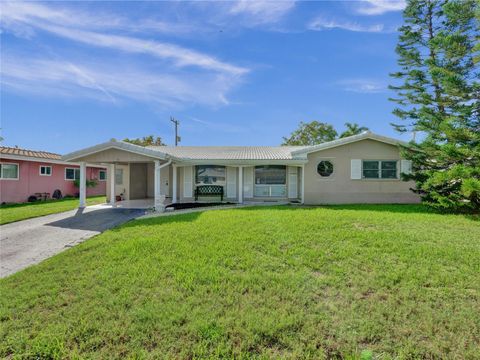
176 122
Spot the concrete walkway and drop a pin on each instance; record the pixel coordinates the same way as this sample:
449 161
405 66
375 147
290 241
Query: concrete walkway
28 242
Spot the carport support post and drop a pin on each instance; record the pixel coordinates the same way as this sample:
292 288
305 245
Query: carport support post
174 184
303 185
157 200
240 184
83 188
112 184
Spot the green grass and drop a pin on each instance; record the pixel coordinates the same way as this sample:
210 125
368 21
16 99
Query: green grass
382 282
15 212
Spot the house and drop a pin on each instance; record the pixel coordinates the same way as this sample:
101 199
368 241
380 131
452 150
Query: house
26 172
364 168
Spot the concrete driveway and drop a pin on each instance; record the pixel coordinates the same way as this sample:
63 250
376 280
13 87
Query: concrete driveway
28 242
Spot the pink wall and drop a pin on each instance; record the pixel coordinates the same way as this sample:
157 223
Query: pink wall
30 181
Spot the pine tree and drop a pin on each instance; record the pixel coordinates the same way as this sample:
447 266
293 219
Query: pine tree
438 96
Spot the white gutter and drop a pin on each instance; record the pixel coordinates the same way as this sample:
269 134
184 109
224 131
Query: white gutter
166 164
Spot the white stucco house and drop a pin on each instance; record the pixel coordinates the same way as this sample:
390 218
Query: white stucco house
364 168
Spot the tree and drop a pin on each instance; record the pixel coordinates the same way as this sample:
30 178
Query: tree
353 129
438 95
311 133
149 140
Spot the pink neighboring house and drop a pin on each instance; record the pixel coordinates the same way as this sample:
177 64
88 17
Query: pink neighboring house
26 172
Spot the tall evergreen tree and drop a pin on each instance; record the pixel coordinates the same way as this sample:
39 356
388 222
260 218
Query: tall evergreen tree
438 96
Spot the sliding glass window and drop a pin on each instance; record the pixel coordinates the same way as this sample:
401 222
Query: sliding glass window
271 181
210 174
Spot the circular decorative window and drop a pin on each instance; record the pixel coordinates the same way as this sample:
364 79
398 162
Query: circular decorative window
325 168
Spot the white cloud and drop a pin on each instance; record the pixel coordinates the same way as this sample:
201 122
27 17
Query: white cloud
378 7
50 20
320 24
364 86
181 56
177 75
261 11
112 82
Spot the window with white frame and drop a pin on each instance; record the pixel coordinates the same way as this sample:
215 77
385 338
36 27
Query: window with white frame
8 171
210 174
45 170
102 175
72 174
381 169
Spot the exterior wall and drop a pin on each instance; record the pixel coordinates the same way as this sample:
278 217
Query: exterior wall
138 181
339 188
30 181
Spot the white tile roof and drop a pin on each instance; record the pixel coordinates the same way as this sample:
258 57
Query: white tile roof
230 152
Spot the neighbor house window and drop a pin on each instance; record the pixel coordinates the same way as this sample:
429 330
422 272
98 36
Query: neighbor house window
118 176
9 171
325 168
209 174
45 170
379 169
72 174
102 175
270 181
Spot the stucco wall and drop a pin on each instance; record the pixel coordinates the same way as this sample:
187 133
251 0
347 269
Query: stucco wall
30 181
339 188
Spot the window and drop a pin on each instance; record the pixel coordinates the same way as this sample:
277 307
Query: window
325 168
118 176
209 174
270 181
9 171
72 174
102 175
271 175
45 170
379 169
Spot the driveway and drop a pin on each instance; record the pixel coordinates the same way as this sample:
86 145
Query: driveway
28 242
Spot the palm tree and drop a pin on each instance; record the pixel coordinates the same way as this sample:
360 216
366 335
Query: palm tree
353 129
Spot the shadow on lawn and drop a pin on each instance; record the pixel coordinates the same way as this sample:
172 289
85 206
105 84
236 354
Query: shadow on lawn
170 219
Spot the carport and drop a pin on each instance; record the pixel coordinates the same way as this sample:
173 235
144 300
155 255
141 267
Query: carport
135 174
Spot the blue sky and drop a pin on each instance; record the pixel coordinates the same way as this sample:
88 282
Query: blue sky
74 74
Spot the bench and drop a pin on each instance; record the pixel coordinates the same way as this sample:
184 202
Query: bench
209 190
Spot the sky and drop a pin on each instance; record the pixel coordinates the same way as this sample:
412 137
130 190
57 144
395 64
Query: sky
75 74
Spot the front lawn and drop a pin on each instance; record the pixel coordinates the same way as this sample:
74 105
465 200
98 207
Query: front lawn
15 212
266 282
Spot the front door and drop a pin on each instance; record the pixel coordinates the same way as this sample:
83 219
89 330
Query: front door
122 181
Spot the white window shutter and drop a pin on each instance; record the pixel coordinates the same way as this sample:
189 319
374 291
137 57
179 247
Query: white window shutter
292 182
187 181
356 169
248 181
231 182
406 166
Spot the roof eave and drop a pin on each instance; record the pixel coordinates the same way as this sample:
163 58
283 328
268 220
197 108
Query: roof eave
119 145
348 140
